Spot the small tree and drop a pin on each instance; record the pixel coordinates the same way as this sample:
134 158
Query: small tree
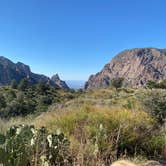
2 101
117 82
42 87
162 84
23 84
155 104
14 84
151 84
10 95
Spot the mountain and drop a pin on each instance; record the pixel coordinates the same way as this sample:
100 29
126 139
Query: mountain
18 71
62 84
136 66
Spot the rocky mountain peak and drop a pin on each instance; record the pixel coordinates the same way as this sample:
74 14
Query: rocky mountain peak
23 68
59 82
5 62
55 77
19 70
136 66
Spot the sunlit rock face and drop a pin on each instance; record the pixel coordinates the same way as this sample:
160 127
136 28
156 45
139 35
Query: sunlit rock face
136 66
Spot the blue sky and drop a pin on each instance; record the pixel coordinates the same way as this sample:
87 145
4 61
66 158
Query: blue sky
76 38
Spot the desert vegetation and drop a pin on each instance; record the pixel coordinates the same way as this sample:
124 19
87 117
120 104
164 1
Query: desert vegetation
153 84
94 127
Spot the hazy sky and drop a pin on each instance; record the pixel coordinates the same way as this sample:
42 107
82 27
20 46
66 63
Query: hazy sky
76 38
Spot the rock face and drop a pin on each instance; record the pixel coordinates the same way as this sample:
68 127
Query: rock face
136 66
18 71
62 84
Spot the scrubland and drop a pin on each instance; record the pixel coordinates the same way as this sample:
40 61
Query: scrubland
106 125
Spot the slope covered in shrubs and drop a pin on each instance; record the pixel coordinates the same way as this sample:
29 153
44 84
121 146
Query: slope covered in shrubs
23 99
101 126
104 125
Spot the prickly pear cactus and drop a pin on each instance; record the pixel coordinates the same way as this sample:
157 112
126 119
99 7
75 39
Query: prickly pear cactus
25 145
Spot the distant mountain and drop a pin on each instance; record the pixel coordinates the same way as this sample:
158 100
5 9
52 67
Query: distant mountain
18 71
75 84
136 66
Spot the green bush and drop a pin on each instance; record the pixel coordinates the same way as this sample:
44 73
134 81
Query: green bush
14 84
162 84
155 104
42 88
117 82
10 95
157 143
23 85
2 101
32 99
151 84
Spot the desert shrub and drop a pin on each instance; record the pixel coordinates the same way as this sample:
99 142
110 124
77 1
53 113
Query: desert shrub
42 87
151 84
162 84
25 145
14 84
17 105
23 85
155 104
10 95
109 134
2 101
117 82
30 99
157 143
45 100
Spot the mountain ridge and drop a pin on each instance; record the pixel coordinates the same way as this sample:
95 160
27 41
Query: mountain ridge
10 70
136 65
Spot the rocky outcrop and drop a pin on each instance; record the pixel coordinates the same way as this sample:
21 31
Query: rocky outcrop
136 66
62 84
18 71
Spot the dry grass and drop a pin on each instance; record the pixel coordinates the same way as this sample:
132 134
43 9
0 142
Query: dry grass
87 126
6 124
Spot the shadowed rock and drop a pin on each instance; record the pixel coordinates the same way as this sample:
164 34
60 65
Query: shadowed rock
18 71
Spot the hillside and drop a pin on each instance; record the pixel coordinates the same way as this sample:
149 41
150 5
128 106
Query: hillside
25 100
136 66
10 71
95 127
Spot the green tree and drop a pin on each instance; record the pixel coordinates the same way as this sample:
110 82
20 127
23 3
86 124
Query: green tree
162 84
45 100
151 84
2 101
42 87
20 97
23 84
117 82
16 108
155 104
10 95
14 84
